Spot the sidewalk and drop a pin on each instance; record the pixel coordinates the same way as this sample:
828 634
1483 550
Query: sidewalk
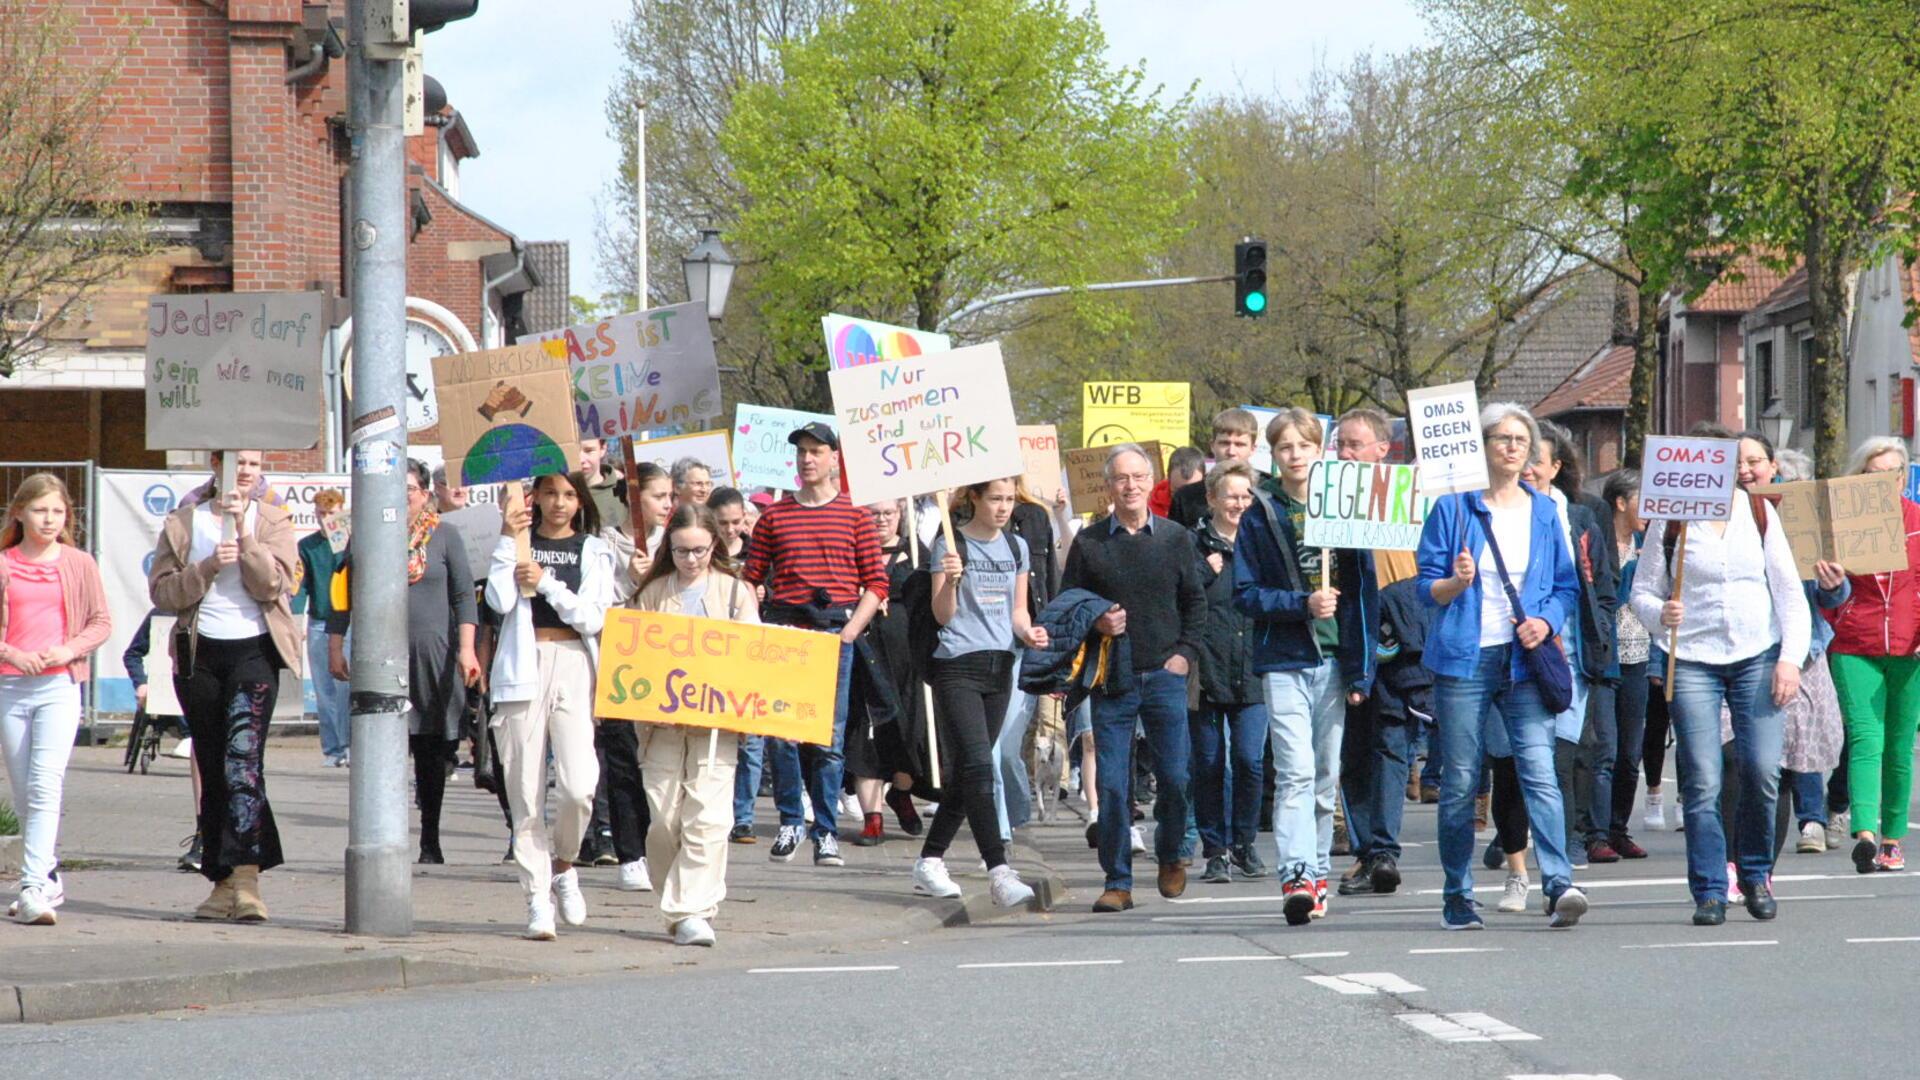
127 942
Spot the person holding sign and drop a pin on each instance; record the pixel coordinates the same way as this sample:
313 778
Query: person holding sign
542 680
234 633
980 602
1313 646
54 610
1877 674
1740 628
1495 564
689 770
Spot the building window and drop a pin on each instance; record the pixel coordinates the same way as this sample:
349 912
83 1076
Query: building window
1805 404
1763 378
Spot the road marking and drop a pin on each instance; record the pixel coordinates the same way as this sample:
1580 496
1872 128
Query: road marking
1316 956
1465 1027
1878 940
1700 945
1259 956
1562 1076
821 970
1447 952
1039 964
1634 883
1365 982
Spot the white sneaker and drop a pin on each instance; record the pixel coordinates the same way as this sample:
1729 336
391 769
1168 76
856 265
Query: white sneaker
806 807
1139 842
540 918
1008 891
1813 839
1656 817
567 897
930 878
1734 895
693 930
1513 900
633 877
850 808
1839 828
33 908
182 749
1567 908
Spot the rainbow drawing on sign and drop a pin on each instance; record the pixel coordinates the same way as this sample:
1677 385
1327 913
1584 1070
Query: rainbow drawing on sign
854 346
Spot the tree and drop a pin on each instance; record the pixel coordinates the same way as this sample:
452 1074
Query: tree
65 227
920 154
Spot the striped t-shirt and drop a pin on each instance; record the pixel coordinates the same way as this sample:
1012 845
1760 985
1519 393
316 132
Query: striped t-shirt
797 549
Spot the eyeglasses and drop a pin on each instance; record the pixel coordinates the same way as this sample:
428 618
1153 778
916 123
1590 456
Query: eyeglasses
691 553
1510 440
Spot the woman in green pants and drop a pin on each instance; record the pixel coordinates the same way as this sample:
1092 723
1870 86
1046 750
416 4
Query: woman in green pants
1877 675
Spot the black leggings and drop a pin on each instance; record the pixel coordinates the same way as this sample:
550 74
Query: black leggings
1509 806
617 743
970 694
228 696
1653 748
431 752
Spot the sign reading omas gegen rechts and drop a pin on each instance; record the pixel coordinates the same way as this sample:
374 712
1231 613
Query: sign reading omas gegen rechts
234 370
1446 438
1688 479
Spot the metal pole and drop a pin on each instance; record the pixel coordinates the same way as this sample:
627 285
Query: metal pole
640 210
1062 290
379 871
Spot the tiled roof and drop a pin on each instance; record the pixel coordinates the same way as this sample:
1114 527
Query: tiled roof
546 307
1791 293
1741 287
1601 383
1568 324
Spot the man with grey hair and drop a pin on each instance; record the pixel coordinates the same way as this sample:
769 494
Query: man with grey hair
1149 570
692 481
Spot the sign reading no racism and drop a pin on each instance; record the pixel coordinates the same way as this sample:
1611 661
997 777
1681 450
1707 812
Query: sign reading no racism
1688 479
924 424
1357 504
1446 438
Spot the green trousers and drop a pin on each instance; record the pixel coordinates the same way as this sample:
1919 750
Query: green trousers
1880 698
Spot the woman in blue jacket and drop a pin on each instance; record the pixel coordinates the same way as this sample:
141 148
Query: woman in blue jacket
1475 651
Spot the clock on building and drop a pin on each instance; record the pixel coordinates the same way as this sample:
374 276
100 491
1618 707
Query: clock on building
424 342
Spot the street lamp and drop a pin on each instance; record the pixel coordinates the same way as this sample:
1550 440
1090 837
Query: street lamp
1775 423
709 270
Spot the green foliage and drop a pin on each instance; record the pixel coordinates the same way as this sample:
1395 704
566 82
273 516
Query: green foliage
916 155
9 825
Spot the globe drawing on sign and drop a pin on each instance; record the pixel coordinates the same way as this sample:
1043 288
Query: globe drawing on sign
511 452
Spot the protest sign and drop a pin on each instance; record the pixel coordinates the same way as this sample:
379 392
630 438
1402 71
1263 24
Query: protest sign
640 371
1123 412
506 414
478 527
1688 479
1086 475
762 456
910 427
853 342
229 371
709 448
757 679
1040 449
1357 504
1262 459
1855 521
1446 435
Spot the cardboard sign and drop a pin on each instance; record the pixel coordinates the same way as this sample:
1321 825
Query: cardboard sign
1040 449
1855 521
911 427
756 679
1688 479
162 700
640 371
709 448
506 414
1086 475
853 342
1446 438
762 456
1356 504
1123 412
235 371
478 528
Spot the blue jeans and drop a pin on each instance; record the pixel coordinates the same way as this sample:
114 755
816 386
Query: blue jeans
1157 701
1012 793
758 752
1374 779
1758 733
822 766
330 696
1809 796
1220 733
1462 707
1306 714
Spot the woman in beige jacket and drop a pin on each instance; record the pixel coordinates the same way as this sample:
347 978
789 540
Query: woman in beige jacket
688 771
234 634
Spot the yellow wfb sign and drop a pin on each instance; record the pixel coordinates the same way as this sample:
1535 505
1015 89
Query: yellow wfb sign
661 668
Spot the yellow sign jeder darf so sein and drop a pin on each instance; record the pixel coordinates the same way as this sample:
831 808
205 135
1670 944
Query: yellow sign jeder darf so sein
662 668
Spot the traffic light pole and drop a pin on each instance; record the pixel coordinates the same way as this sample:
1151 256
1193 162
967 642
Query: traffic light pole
379 867
1062 290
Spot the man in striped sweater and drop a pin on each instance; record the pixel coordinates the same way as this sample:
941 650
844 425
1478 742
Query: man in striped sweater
819 558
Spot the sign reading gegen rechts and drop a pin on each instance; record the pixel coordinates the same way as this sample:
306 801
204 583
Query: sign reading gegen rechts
1358 504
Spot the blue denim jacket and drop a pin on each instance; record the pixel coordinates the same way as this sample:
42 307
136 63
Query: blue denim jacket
1549 591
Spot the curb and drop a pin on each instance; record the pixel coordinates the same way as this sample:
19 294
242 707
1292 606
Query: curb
977 908
49 1003
13 850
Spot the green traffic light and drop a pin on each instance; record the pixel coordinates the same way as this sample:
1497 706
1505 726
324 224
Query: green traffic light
1256 301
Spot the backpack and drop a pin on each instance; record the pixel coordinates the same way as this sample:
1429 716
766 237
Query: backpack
1671 536
923 630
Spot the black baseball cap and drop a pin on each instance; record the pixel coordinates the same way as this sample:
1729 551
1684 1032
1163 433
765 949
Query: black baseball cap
817 431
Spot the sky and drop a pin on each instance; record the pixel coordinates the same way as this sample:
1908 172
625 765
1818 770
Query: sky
545 155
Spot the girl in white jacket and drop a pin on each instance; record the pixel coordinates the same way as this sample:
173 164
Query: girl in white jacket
543 683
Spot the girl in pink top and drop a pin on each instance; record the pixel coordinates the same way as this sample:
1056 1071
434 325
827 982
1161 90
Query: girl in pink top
53 613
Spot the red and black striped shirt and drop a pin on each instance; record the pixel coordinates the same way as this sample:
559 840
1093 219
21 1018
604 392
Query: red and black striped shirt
797 549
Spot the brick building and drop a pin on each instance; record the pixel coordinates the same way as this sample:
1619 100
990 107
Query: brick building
232 117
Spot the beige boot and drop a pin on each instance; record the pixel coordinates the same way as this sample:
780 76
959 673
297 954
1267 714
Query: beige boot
219 903
247 905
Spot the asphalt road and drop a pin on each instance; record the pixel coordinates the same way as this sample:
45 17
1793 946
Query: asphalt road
1213 985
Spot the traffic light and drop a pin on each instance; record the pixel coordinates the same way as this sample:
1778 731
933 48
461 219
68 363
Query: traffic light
426 16
389 27
1250 278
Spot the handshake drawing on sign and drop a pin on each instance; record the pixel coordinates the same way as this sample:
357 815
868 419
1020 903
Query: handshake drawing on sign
504 398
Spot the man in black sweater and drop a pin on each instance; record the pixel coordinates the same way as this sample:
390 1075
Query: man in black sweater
1149 568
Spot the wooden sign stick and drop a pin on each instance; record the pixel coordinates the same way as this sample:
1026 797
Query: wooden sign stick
1326 569
635 523
229 525
1679 575
511 496
946 520
926 691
